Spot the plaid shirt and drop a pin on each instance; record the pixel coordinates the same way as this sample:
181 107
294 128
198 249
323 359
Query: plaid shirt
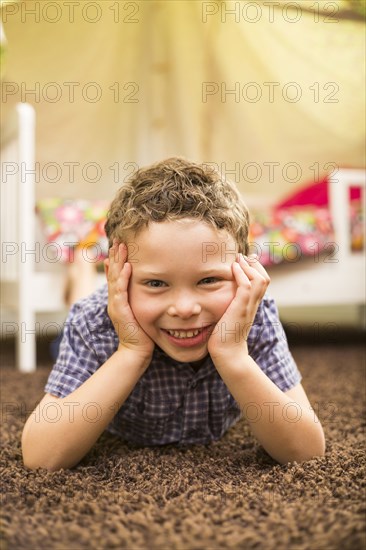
171 402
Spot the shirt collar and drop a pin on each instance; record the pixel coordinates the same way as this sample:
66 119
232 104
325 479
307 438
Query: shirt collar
205 369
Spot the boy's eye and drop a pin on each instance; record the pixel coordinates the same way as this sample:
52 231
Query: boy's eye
209 280
155 283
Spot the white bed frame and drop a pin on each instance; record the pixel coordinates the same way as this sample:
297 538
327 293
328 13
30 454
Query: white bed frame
30 286
335 277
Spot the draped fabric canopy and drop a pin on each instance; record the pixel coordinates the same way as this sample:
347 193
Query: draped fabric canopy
273 95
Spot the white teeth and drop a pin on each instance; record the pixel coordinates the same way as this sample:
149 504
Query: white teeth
183 333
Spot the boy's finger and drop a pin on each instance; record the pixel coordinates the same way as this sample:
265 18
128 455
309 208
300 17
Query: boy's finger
241 277
112 250
112 258
253 261
257 277
244 264
117 258
118 251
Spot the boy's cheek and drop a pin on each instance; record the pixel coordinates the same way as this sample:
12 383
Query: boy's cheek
134 299
222 299
134 289
230 290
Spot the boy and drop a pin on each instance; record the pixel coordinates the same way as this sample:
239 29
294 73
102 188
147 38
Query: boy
181 341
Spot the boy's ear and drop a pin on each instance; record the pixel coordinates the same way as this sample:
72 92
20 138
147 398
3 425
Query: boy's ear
106 267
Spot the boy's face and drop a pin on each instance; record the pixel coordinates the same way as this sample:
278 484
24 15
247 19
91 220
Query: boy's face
181 283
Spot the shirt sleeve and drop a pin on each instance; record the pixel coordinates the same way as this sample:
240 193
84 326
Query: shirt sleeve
268 346
77 360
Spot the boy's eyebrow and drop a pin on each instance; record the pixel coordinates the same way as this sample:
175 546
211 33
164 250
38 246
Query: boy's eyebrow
208 271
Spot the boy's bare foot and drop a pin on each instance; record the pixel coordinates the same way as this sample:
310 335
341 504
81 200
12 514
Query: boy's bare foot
81 278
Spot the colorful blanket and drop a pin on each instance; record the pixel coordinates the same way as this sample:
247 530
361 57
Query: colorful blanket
75 223
277 235
287 235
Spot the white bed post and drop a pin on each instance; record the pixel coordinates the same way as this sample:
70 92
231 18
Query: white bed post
26 341
339 200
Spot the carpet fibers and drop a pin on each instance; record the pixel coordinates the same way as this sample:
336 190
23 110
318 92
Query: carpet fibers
229 494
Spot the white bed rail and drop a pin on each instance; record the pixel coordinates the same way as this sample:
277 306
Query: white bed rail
17 226
30 284
339 193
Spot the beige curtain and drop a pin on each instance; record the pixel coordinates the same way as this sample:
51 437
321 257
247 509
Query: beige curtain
273 96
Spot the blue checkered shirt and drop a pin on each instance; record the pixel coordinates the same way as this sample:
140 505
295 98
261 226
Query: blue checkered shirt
171 402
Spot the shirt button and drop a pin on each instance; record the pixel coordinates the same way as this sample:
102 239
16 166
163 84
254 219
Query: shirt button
141 407
193 384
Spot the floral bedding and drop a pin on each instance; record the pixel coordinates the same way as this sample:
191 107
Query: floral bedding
288 234
276 236
75 223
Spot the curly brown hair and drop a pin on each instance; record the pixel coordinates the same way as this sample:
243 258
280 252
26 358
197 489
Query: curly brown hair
173 189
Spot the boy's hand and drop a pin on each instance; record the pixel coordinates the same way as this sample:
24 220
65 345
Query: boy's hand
130 334
229 338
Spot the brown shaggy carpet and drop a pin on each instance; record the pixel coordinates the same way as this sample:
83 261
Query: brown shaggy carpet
229 494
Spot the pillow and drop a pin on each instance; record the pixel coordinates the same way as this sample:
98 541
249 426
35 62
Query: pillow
75 223
315 194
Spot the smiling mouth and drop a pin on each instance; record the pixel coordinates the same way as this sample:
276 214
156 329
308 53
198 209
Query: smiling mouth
184 333
188 333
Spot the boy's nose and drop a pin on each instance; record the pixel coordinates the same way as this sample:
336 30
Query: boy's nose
184 307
